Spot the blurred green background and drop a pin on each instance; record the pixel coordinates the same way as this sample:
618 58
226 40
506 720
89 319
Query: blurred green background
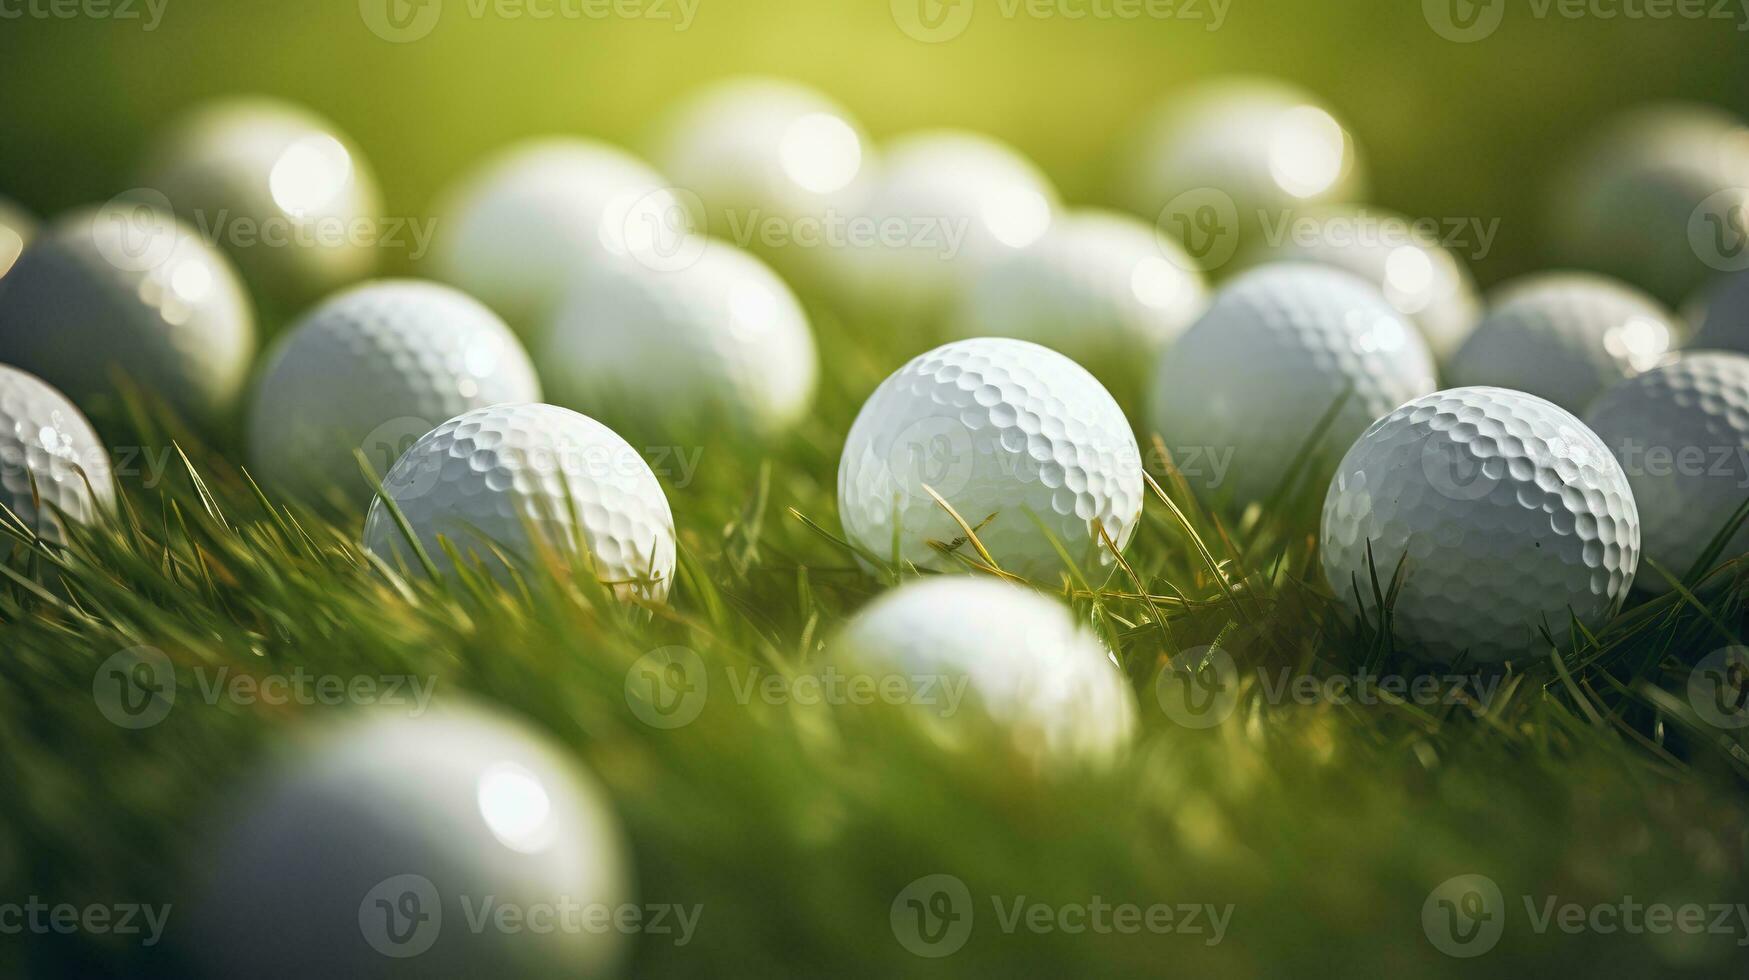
1451 129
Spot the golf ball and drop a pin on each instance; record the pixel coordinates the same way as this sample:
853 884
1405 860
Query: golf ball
1725 325
721 338
1564 337
1214 162
1101 287
1507 514
945 205
382 840
1659 197
287 195
16 230
1016 654
1681 432
493 475
519 229
1422 279
374 368
51 462
129 289
1241 395
1022 442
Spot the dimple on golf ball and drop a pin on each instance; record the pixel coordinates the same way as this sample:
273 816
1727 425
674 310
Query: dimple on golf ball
51 462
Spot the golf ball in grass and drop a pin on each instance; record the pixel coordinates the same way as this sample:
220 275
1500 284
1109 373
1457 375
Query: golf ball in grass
290 197
1021 441
16 230
1507 514
1017 655
1725 324
1564 337
1681 433
129 288
1420 278
376 849
719 338
518 230
374 368
51 462
1659 197
1104 288
945 205
1239 398
493 475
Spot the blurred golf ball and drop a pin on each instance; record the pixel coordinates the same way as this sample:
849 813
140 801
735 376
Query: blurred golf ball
374 368
1103 288
1419 277
1215 161
1725 323
17 228
51 462
1564 337
1681 433
128 288
372 850
520 228
493 475
1240 396
721 338
1508 516
1659 197
1021 441
1017 655
284 192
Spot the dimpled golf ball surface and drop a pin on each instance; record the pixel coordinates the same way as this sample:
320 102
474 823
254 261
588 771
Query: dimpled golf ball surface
1507 513
1681 432
365 853
1019 439
490 472
129 288
1239 396
51 462
1019 655
1564 337
375 368
720 336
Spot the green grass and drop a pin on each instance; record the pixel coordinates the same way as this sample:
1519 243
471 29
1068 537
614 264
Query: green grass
1588 777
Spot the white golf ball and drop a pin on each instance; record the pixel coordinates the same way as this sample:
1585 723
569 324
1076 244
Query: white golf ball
1659 197
131 289
1422 279
17 228
1507 514
1022 442
1725 324
1017 655
290 198
51 462
374 368
945 205
1681 432
1564 337
1214 162
1240 396
518 230
1101 287
494 474
381 841
721 337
